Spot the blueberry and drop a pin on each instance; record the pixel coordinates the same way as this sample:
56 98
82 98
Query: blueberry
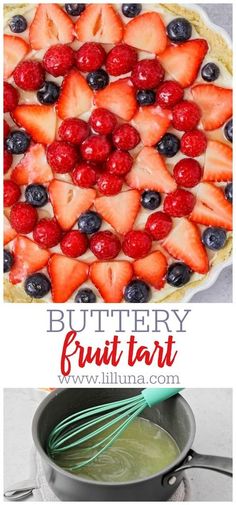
150 199
210 72
37 285
179 30
8 261
17 24
98 79
214 238
85 295
178 274
89 222
169 145
36 195
228 130
49 93
74 9
137 292
146 97
131 10
17 142
229 192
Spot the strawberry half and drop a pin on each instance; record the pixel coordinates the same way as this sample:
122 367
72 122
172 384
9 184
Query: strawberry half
120 211
33 167
149 171
76 96
152 123
212 208
215 103
99 23
66 276
39 120
183 61
8 232
51 25
146 32
218 165
119 98
29 258
111 278
152 269
69 202
15 49
184 243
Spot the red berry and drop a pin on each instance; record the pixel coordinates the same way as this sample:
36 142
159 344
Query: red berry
10 97
95 148
58 60
158 225
11 193
29 75
105 245
137 244
125 137
102 121
62 156
23 217
47 233
90 56
121 59
109 184
73 130
7 161
179 203
169 94
74 244
119 163
186 116
193 143
147 74
84 174
187 172
6 129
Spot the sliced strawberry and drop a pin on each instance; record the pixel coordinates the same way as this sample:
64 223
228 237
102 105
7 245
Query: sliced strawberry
28 258
152 123
149 172
33 167
66 276
119 98
212 208
146 32
218 165
15 49
215 103
39 120
99 23
110 278
204 215
183 61
69 202
51 25
184 243
120 211
152 269
75 97
8 232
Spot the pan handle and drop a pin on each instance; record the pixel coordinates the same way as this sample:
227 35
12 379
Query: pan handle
20 491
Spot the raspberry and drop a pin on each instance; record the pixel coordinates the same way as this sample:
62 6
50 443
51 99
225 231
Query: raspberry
158 225
187 172
109 184
7 161
73 130
74 244
193 143
105 245
62 157
6 129
179 203
169 94
137 244
90 56
11 193
147 74
186 116
125 137
47 233
121 59
10 97
23 217
95 148
119 163
29 75
84 174
58 60
102 121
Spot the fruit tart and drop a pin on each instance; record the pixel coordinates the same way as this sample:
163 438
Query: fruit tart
117 152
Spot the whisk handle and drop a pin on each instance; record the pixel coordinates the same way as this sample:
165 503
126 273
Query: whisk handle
153 396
